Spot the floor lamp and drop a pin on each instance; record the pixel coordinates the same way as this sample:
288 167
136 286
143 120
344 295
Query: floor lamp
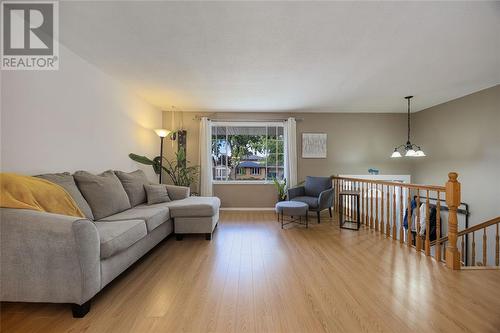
162 133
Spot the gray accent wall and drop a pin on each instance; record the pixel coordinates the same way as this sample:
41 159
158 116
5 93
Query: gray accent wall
463 135
356 142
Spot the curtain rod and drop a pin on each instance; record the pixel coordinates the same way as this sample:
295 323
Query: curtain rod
252 120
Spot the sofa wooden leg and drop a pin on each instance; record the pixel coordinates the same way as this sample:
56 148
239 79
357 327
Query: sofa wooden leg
318 213
79 311
208 236
330 211
179 237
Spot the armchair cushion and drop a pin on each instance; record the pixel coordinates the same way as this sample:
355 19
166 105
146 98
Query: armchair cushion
311 201
315 185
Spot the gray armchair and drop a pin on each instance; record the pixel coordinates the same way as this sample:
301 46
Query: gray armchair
317 192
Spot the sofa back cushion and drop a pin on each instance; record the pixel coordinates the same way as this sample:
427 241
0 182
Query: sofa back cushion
133 183
104 193
66 181
315 185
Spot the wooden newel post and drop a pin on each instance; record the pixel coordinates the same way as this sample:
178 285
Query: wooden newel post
452 201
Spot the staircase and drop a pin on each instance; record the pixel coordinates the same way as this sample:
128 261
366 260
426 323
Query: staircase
383 206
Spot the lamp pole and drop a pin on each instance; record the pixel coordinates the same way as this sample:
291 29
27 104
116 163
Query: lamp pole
162 133
161 156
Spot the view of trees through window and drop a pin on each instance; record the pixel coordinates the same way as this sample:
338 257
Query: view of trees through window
253 153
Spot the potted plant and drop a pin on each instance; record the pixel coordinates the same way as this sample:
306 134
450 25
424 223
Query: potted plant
281 188
178 169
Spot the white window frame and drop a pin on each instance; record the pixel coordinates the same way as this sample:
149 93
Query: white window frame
266 124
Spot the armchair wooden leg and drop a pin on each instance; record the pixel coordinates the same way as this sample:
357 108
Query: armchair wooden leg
318 213
330 211
79 311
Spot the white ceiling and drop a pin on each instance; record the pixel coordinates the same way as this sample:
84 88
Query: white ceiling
290 56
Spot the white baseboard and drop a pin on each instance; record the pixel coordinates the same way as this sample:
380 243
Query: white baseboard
247 209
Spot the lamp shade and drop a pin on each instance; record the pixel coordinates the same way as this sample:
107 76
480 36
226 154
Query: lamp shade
419 153
396 154
162 132
410 153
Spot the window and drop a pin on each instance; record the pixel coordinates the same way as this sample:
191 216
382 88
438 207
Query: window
221 172
238 147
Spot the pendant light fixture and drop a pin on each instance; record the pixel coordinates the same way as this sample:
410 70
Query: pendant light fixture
408 149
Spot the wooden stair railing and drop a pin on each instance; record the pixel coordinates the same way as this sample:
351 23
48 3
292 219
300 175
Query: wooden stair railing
471 231
382 211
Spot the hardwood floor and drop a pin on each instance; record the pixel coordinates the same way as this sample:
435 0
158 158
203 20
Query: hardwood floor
255 277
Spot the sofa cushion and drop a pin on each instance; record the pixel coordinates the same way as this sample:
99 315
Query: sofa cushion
104 193
194 207
133 183
156 194
120 235
315 185
311 201
66 181
152 215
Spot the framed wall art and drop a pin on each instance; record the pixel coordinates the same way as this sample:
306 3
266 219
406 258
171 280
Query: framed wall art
314 145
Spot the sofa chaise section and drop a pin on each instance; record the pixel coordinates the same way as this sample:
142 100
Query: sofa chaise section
195 215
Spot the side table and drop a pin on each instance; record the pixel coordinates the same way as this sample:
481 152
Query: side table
342 218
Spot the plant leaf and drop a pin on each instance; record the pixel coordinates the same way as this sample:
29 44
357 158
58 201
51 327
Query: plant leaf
140 159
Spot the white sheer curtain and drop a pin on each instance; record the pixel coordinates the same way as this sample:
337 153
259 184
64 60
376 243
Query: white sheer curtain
291 152
205 158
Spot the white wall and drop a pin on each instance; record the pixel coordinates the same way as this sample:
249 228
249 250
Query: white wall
72 119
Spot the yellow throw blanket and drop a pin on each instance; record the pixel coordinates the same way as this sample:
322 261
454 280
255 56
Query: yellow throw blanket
34 193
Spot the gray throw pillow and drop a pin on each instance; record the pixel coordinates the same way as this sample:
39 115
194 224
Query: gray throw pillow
66 181
104 193
133 183
156 194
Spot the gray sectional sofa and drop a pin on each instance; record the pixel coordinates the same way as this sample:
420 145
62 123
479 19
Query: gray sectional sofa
63 259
